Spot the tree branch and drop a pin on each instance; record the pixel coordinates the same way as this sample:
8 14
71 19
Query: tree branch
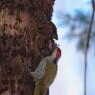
87 46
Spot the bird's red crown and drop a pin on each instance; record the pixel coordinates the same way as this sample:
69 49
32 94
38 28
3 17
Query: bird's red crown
58 53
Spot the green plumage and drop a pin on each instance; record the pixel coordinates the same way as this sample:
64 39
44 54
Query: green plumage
44 83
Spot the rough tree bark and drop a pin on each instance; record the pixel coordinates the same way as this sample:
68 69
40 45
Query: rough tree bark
26 35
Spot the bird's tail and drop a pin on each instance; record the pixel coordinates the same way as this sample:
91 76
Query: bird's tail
39 92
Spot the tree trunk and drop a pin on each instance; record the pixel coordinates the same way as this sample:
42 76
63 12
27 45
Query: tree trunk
26 35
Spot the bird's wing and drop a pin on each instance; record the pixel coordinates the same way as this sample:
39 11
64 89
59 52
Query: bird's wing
40 71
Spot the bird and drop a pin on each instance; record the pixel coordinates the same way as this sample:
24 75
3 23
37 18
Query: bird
46 72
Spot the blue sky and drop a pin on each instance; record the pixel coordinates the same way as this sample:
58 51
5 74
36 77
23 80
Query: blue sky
69 80
69 6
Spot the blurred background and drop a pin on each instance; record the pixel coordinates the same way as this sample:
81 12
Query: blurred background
72 18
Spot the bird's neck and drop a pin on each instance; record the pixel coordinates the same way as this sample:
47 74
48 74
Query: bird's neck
50 59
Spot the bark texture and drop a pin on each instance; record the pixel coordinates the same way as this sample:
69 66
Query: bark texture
26 35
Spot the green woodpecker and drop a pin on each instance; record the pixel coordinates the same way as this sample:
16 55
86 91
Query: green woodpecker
45 73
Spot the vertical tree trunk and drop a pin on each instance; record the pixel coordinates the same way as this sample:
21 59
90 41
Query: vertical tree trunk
26 35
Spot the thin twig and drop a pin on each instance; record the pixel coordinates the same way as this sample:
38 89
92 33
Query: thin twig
26 67
86 49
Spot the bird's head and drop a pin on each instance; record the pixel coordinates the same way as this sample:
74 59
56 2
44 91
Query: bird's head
56 54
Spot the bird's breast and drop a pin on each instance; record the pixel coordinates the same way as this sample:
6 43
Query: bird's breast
50 74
